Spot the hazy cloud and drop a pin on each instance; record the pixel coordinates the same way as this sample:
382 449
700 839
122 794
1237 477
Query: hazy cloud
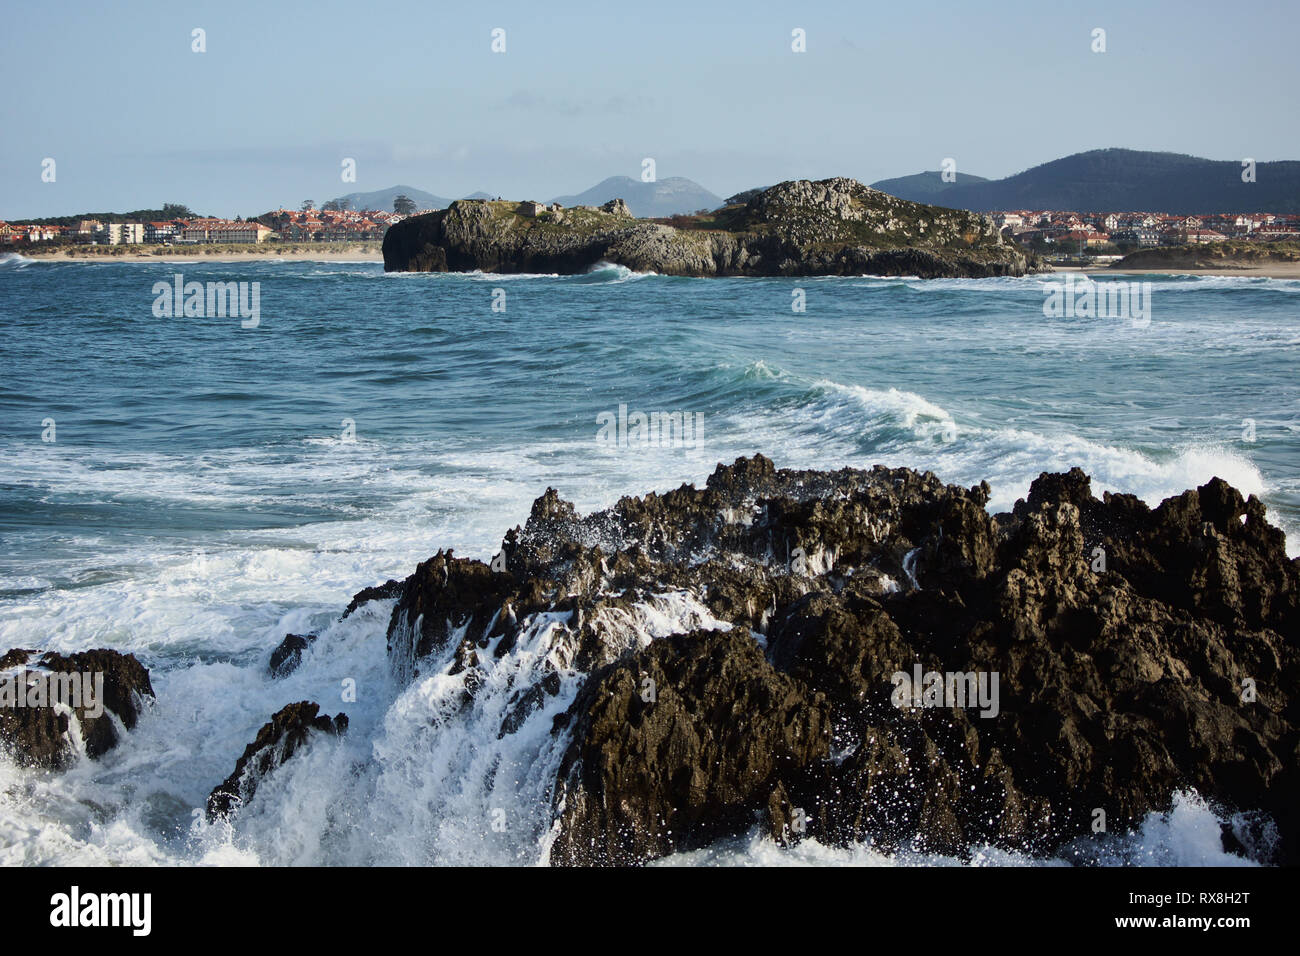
534 102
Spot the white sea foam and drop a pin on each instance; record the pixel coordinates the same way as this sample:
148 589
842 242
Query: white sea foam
424 774
1173 282
476 275
1188 835
617 273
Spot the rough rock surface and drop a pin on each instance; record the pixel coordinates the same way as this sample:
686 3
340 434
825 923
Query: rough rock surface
798 228
389 589
288 655
1138 651
277 741
39 736
714 730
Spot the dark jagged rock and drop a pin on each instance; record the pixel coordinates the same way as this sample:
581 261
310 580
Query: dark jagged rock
16 657
714 730
444 594
39 736
288 655
798 228
1138 651
382 592
277 741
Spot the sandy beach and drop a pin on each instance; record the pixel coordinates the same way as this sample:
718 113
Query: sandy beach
1274 270
351 254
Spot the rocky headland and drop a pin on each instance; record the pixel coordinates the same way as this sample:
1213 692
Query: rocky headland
835 227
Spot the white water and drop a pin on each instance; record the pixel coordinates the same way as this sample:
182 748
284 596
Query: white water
417 779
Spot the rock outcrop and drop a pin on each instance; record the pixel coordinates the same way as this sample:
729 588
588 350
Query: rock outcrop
102 690
277 741
714 730
288 655
798 228
1094 657
1231 254
859 655
389 589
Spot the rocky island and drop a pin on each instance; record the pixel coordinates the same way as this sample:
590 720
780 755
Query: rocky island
834 227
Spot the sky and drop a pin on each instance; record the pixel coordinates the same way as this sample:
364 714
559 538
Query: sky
286 91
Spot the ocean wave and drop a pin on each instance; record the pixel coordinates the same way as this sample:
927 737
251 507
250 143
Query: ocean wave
908 409
922 434
609 273
1026 283
1202 283
601 273
308 468
474 275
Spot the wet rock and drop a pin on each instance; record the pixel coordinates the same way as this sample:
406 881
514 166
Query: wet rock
16 657
1091 654
104 693
277 741
679 745
447 595
382 592
288 655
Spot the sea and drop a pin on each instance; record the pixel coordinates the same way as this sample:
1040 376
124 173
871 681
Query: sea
192 488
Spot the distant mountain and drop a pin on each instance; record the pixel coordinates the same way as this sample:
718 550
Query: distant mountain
383 198
924 187
1129 179
665 197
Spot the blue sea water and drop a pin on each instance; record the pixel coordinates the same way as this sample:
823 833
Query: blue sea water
212 487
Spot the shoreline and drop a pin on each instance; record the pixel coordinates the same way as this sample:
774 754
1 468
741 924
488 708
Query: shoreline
354 255
1276 270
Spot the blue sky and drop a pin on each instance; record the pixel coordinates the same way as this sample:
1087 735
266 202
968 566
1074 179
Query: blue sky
412 91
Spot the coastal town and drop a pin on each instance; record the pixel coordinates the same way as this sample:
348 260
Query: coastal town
1086 233
1124 231
292 225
